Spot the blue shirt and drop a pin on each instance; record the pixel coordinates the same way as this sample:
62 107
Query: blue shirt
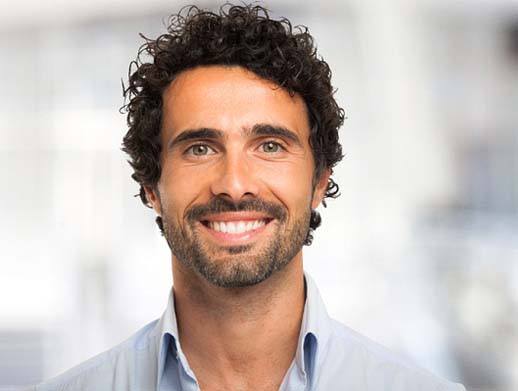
329 357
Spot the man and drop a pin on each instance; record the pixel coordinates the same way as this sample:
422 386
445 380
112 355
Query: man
233 134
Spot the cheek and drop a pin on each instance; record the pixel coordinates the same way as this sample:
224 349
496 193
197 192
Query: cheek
290 183
180 188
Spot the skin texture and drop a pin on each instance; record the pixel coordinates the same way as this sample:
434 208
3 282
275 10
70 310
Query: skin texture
238 323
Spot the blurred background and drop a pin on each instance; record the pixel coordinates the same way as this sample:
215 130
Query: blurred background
420 252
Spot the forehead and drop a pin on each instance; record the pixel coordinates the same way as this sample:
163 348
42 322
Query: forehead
229 99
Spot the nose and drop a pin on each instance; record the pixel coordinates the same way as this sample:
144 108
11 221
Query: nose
235 178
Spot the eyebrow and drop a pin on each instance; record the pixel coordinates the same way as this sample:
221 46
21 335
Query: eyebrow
215 134
196 134
274 130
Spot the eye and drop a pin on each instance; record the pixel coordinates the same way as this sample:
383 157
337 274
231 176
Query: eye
271 147
199 150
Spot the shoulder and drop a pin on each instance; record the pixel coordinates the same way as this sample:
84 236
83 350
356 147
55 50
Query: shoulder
354 361
113 369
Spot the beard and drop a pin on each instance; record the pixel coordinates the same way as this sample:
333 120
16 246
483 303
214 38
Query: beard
242 265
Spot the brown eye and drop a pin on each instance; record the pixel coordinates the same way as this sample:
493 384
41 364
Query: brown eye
271 147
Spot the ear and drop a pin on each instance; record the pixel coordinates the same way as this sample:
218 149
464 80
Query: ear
320 188
153 198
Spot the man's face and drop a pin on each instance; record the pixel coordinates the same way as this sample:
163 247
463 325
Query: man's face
235 192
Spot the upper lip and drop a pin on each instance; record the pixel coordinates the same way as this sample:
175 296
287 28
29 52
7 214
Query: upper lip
236 216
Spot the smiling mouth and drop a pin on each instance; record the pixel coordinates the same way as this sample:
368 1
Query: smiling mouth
237 226
234 232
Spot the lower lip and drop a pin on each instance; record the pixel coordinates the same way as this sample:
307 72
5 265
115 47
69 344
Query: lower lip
235 238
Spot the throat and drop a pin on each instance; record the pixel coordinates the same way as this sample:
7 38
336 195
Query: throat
243 354
239 333
243 333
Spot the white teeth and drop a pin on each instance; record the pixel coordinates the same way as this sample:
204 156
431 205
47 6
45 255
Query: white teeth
235 227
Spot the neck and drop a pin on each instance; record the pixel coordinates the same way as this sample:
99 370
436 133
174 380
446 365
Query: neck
238 337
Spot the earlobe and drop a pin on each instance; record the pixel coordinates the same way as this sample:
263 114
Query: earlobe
153 199
320 188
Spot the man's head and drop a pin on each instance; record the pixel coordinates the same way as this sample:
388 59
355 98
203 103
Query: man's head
233 121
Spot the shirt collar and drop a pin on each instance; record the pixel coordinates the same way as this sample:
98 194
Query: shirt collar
315 331
314 334
165 332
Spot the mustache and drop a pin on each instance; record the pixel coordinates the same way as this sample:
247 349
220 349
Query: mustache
222 204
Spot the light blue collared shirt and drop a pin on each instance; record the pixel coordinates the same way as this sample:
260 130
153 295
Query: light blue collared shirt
329 357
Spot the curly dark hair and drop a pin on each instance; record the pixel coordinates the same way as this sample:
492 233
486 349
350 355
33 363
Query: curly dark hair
242 36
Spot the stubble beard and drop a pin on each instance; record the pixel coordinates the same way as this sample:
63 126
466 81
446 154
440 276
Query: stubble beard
237 266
